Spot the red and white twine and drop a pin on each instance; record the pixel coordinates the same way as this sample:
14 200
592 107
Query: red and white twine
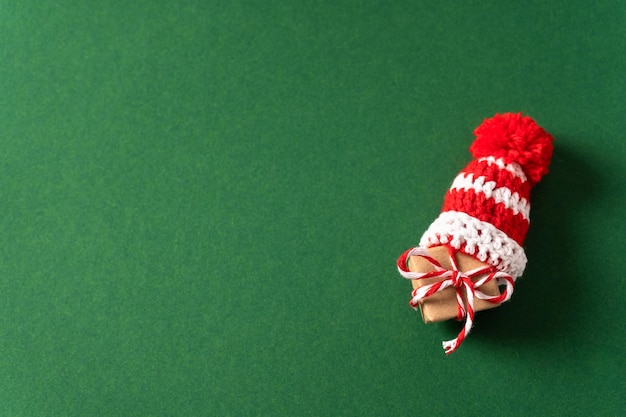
460 281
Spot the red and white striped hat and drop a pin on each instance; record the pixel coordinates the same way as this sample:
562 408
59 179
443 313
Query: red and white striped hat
485 212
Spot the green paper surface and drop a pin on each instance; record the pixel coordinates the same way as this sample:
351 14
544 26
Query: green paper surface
202 204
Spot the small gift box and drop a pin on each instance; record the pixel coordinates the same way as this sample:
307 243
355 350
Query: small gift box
443 305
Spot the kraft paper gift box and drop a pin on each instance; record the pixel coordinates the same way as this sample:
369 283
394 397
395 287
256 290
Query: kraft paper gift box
443 305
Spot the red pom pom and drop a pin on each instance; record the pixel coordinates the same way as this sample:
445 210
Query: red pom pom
515 138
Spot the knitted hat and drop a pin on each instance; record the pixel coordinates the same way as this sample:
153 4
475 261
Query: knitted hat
485 212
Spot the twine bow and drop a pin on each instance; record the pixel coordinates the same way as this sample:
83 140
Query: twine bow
461 282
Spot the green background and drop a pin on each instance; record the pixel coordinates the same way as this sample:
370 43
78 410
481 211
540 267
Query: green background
202 203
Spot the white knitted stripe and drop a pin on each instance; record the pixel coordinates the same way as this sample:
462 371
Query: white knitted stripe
513 168
481 239
504 195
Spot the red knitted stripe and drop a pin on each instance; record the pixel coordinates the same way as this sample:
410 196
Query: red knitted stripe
502 177
487 210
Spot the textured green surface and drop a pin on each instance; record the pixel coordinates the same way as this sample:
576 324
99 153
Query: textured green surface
203 201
